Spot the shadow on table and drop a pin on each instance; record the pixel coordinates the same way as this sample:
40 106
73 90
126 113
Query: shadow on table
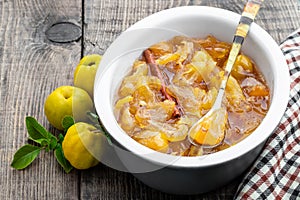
102 182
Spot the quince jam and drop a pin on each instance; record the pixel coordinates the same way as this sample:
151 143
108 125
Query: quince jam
175 82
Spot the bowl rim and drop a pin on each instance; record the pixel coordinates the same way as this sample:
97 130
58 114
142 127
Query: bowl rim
276 110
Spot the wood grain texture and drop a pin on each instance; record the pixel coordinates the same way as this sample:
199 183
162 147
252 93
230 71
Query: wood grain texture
31 66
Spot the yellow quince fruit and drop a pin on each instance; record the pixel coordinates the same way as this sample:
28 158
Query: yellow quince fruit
67 100
85 72
82 145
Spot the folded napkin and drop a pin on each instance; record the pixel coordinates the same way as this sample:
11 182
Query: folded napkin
276 173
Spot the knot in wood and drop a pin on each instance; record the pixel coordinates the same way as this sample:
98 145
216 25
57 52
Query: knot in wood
63 32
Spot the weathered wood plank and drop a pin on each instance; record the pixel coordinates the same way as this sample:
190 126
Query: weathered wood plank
104 21
31 67
102 182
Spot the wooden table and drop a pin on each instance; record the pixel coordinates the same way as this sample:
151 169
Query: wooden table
41 42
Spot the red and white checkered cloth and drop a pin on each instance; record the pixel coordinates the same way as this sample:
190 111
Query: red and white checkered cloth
276 173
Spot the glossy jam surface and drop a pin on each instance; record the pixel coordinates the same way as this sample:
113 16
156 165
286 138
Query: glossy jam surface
174 83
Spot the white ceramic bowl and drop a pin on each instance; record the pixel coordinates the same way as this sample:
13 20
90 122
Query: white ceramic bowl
189 175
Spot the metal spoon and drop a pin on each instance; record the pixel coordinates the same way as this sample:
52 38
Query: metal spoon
247 17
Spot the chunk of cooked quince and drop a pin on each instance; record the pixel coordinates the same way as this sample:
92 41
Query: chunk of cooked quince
144 93
234 93
167 58
184 50
140 69
161 48
188 76
159 112
152 82
120 104
152 139
254 87
180 55
131 83
208 100
206 67
173 133
126 120
189 98
242 67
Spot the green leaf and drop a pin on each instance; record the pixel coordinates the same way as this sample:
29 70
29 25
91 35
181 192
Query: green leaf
53 143
25 156
45 143
59 155
39 141
60 138
67 122
35 130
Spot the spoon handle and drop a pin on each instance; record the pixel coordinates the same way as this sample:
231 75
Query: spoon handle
248 15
